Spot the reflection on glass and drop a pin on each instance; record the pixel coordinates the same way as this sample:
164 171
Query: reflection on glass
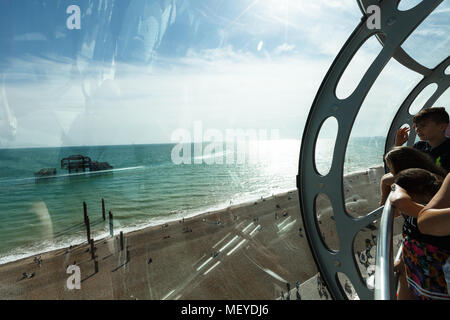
357 67
347 286
420 102
429 42
365 250
175 103
325 143
326 223
444 100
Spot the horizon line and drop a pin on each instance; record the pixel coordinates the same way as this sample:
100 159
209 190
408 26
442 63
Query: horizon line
155 143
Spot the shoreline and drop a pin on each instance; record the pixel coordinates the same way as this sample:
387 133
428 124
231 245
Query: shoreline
156 222
248 248
131 229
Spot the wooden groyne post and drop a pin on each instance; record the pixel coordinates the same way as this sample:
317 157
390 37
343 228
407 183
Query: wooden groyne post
96 264
86 222
121 240
111 226
85 212
103 209
92 248
88 230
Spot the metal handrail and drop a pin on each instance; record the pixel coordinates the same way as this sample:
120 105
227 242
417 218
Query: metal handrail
385 288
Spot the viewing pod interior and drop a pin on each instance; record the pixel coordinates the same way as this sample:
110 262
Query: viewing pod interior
269 248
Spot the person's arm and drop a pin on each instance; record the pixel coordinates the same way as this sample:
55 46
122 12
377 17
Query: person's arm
385 187
434 219
401 200
435 222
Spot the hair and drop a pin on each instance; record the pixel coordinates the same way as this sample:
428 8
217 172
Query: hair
419 181
437 115
403 157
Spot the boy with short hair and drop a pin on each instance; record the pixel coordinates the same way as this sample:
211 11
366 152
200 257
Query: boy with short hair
430 125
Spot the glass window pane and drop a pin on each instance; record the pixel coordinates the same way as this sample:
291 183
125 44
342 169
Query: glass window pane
429 43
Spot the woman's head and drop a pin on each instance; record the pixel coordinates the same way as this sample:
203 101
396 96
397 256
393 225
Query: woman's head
401 158
420 184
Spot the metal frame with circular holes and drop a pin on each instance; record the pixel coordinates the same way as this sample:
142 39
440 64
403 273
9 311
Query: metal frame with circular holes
396 26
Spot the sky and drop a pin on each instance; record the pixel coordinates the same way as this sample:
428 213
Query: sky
139 70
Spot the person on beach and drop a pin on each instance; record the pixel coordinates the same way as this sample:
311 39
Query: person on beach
27 275
38 261
431 125
420 269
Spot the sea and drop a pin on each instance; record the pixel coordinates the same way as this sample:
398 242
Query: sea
148 185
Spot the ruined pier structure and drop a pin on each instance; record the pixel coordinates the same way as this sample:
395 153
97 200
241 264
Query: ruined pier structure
80 163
